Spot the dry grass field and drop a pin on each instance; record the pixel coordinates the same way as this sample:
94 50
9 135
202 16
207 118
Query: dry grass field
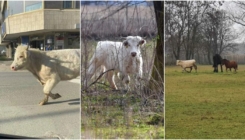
204 105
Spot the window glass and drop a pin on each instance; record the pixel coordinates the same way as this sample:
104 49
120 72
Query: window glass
53 4
67 4
77 4
32 5
5 14
25 40
15 7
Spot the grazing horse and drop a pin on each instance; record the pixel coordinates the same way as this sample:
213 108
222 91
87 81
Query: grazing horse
217 60
229 64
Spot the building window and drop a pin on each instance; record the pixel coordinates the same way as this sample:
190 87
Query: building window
32 5
25 40
77 4
15 7
53 4
71 4
67 4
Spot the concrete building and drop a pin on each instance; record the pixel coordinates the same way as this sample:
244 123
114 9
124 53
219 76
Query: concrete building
40 24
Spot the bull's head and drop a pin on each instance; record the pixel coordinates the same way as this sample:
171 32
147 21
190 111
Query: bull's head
20 58
133 44
177 62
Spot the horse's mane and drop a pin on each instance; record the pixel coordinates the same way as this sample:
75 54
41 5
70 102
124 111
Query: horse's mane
226 60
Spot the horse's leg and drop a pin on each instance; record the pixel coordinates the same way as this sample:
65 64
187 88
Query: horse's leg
221 68
214 69
190 69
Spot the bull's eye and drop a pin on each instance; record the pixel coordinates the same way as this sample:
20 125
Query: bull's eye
126 44
21 57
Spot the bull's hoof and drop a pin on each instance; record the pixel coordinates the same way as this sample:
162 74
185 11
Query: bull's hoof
55 96
43 102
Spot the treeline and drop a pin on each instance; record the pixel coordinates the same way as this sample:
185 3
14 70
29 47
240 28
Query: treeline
198 29
142 2
117 19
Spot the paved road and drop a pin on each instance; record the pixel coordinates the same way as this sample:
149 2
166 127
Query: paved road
20 113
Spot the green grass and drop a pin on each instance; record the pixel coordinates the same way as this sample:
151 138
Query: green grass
204 105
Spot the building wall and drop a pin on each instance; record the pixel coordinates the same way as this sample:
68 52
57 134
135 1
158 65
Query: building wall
24 22
61 19
53 19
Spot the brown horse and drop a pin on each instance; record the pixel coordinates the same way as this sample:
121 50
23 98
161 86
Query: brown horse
229 64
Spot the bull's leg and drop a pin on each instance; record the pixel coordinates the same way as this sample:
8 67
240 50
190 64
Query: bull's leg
190 69
49 85
110 78
138 78
126 80
195 66
184 69
139 74
94 64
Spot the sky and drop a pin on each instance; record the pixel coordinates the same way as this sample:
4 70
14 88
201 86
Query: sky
231 7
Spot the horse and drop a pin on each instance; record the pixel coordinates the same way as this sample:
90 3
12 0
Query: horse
217 60
229 64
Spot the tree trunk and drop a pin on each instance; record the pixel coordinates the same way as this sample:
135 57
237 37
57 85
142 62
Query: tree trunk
158 68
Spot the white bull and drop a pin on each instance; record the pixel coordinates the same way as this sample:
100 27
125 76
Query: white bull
187 64
48 67
123 57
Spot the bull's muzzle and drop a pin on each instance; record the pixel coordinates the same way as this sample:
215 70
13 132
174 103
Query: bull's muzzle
133 54
13 68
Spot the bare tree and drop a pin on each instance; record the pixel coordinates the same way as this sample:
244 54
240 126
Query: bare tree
218 34
196 27
158 68
238 17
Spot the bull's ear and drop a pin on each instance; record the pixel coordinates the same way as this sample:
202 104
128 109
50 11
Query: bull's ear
142 42
125 43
